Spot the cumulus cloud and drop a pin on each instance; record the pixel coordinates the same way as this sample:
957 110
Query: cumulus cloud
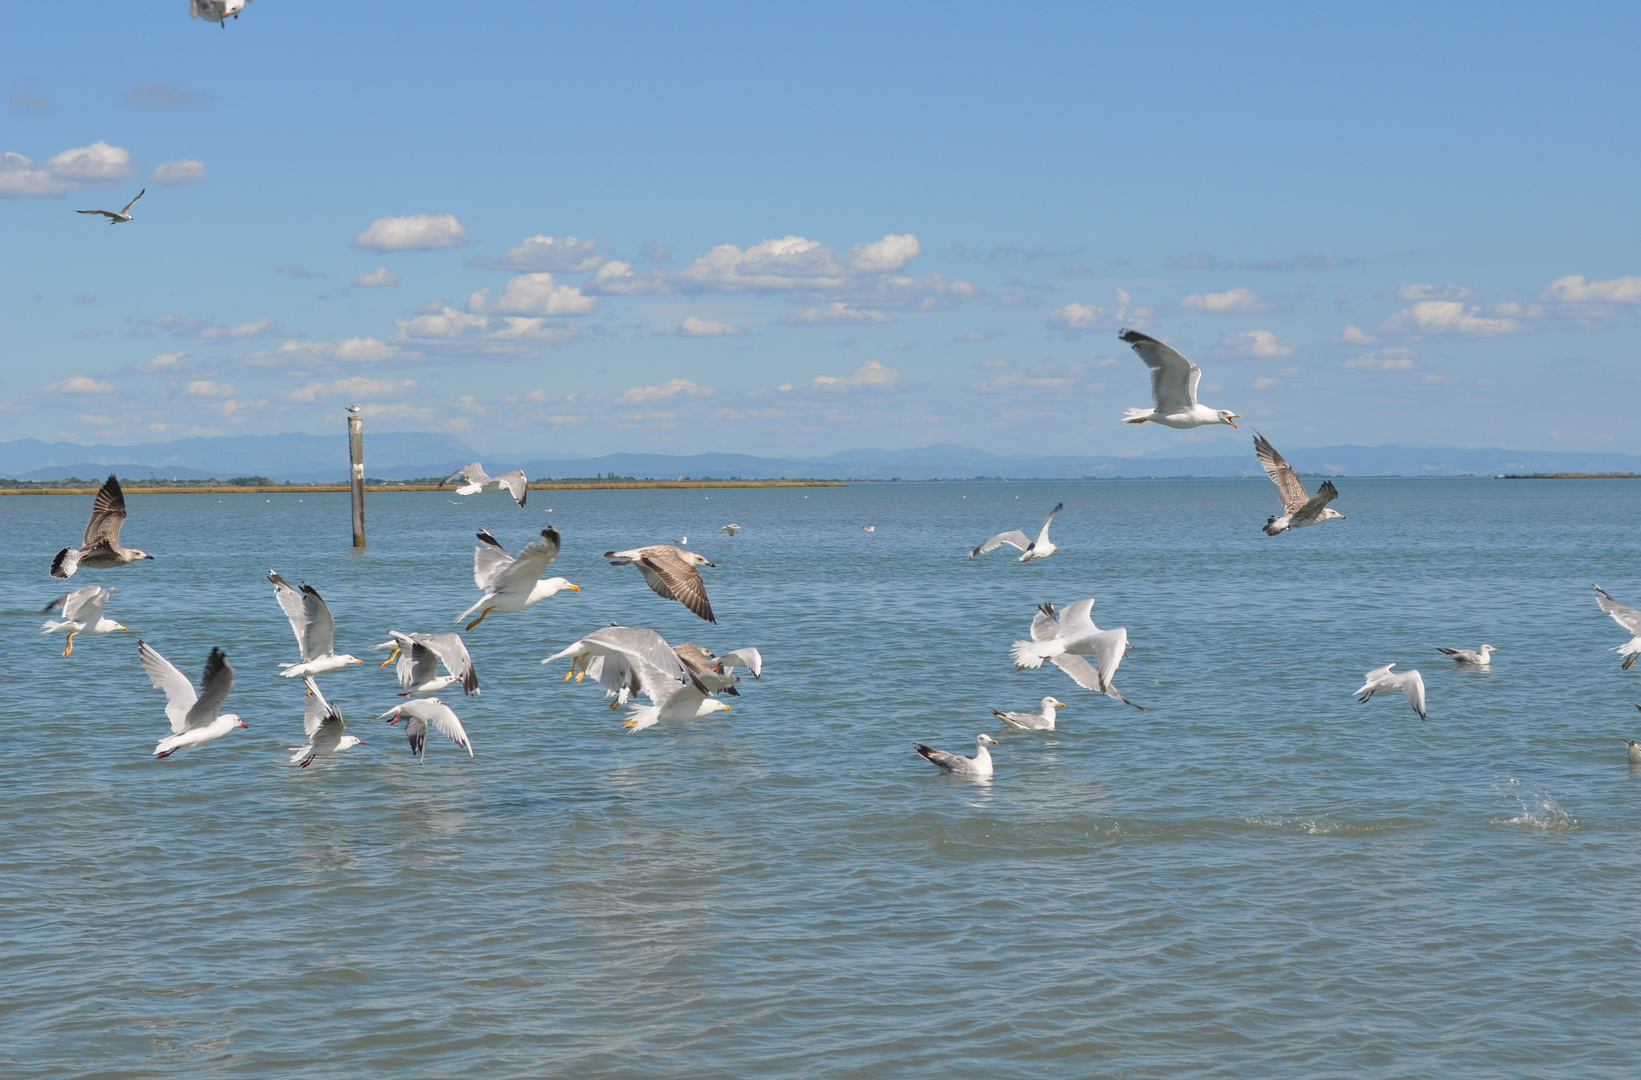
1417 291
450 330
565 254
207 388
1077 318
1261 343
1397 358
158 95
1573 289
355 387
181 171
98 163
379 278
1228 301
415 232
81 384
693 327
162 361
885 256
534 294
1355 335
21 178
870 374
665 392
836 314
1452 317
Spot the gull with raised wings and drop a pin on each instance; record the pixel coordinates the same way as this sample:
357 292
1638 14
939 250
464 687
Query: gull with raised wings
475 479
1040 548
1410 683
116 217
671 572
323 724
625 660
1298 508
419 657
1629 619
1065 639
83 614
196 718
1173 388
100 548
513 583
314 628
421 713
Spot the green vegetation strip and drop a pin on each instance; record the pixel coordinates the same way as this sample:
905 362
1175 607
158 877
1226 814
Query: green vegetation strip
257 485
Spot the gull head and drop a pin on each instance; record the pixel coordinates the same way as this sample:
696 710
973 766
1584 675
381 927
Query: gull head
235 718
349 740
1054 703
1485 649
695 560
1226 416
136 554
1329 513
983 739
714 705
549 586
346 659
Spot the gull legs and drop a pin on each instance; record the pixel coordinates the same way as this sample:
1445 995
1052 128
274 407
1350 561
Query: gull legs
70 648
392 656
480 619
577 662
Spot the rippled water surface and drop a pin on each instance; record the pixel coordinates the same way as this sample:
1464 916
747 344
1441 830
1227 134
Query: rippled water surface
1258 877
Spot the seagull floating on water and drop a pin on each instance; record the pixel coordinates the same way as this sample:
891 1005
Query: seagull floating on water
1042 720
1410 683
1629 619
1299 509
978 766
1040 548
117 217
1482 657
314 628
83 614
672 573
422 712
419 657
323 724
1065 639
475 480
100 548
1173 388
196 719
510 583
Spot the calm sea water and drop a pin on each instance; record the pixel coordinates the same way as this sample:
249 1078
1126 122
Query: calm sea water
1259 877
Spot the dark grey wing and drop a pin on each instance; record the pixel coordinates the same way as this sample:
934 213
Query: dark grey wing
320 637
489 560
416 664
948 761
1313 506
107 515
522 574
676 579
1288 487
320 720
452 652
1045 625
1624 615
213 690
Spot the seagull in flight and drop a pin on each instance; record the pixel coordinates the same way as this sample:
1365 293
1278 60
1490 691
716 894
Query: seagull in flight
475 479
731 529
83 614
100 548
323 725
422 712
1065 639
419 657
314 628
671 572
1040 548
978 766
510 583
1173 388
1629 619
196 718
1410 683
115 218
1298 508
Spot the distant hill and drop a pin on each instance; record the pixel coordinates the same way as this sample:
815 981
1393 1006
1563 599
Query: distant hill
401 456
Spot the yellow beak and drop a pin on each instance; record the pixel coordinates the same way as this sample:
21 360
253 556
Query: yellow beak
577 588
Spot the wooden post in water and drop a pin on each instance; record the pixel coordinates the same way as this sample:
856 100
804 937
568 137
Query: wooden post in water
356 457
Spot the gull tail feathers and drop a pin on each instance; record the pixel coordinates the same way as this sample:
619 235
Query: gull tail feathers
642 717
66 562
1134 416
52 626
1031 654
481 602
1275 526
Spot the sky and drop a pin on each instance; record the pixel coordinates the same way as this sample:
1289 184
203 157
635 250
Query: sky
800 229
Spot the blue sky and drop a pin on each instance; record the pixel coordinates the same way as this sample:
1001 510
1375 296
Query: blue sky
808 229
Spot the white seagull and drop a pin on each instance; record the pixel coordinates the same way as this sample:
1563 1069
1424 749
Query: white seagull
196 719
100 548
1173 388
1482 657
977 766
687 701
672 573
1033 721
1629 619
1298 508
510 583
314 628
418 714
475 480
731 529
419 657
83 614
1064 639
1410 683
115 218
625 660
323 724
1040 548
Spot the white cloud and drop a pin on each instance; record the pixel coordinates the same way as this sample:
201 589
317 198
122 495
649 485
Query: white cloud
181 171
1434 292
1259 343
162 361
81 384
98 163
21 178
534 294
379 278
355 387
665 392
1397 358
1265 382
1573 289
1220 302
262 328
452 330
885 256
1450 317
416 232
207 388
565 254
296 355
1355 335
869 374
1080 317
693 327
836 314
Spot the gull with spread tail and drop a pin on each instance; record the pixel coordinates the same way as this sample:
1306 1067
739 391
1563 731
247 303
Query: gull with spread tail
513 583
421 713
978 766
196 718
475 479
100 548
314 628
419 657
1040 548
1298 508
1065 639
323 724
1173 388
83 614
1629 619
1410 683
671 572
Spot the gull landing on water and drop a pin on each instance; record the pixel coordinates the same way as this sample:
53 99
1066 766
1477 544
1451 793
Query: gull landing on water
475 480
1410 683
1040 548
1482 657
978 766
121 216
1173 388
1299 509
1629 619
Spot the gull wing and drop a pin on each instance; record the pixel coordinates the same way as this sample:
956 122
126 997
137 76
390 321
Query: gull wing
748 657
107 515
319 720
1014 538
1045 625
1289 489
642 645
106 213
1624 615
1077 620
309 615
1109 648
524 571
214 687
1413 687
1084 675
471 474
452 652
517 484
417 663
945 759
489 560
1313 506
435 713
675 579
179 692
1173 378
85 605
133 202
1042 537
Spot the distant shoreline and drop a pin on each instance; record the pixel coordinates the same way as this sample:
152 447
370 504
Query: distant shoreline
208 488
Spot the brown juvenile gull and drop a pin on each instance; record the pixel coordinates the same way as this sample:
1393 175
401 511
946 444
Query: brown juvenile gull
1040 548
672 573
101 547
419 657
475 480
1299 509
121 216
1482 657
717 673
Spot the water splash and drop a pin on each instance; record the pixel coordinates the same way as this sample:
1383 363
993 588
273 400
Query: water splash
1539 809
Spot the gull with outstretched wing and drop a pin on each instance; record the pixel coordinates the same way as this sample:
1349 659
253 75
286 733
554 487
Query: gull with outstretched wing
1298 508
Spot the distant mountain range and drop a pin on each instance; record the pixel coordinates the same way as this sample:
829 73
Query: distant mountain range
400 456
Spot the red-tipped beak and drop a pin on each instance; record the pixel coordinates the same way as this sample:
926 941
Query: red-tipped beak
244 725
